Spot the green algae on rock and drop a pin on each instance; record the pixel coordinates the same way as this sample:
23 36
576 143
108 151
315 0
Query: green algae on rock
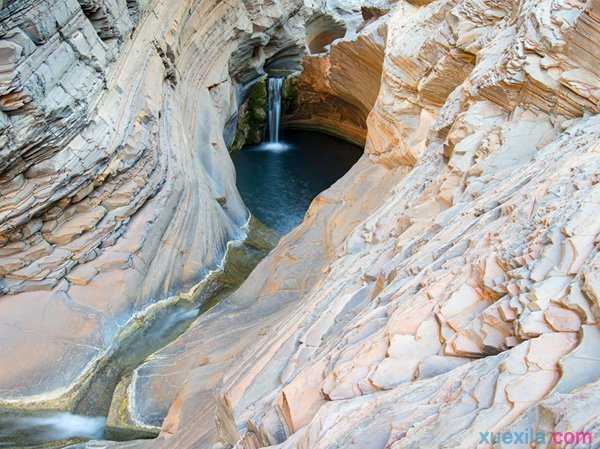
252 117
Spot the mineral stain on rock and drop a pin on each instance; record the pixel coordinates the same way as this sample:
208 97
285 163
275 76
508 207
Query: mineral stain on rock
445 286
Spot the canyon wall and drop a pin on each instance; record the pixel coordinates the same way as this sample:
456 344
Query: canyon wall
117 189
446 286
464 300
337 89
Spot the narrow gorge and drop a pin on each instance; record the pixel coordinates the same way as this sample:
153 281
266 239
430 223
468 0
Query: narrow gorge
299 224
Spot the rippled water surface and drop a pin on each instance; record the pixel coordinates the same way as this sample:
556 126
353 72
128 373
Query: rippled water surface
279 181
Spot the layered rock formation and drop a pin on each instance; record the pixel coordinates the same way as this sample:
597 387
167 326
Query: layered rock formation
337 89
464 302
445 287
448 284
117 189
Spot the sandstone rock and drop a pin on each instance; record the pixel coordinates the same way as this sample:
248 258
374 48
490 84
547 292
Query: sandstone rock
446 286
336 90
107 172
509 204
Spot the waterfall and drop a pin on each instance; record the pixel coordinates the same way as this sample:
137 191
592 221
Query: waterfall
274 111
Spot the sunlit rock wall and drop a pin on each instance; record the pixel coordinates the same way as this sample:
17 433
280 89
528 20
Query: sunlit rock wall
448 284
116 188
465 302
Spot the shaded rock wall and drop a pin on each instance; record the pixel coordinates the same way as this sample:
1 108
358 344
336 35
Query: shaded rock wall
447 285
251 118
116 186
336 90
321 31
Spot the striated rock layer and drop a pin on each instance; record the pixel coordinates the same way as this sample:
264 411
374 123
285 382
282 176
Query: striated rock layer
465 299
336 90
448 285
116 187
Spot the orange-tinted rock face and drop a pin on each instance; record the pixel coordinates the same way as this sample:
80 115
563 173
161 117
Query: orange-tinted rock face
448 285
336 90
451 292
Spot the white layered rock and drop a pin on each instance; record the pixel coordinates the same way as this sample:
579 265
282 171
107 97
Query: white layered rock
448 284
117 189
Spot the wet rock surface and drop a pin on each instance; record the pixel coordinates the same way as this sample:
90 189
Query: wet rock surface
446 286
117 190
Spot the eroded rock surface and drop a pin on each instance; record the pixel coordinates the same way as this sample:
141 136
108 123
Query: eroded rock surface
448 285
337 89
116 187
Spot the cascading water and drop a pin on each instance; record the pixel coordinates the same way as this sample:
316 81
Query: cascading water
274 112
18 431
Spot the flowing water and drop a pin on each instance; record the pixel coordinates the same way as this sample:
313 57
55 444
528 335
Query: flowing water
279 183
48 426
274 108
